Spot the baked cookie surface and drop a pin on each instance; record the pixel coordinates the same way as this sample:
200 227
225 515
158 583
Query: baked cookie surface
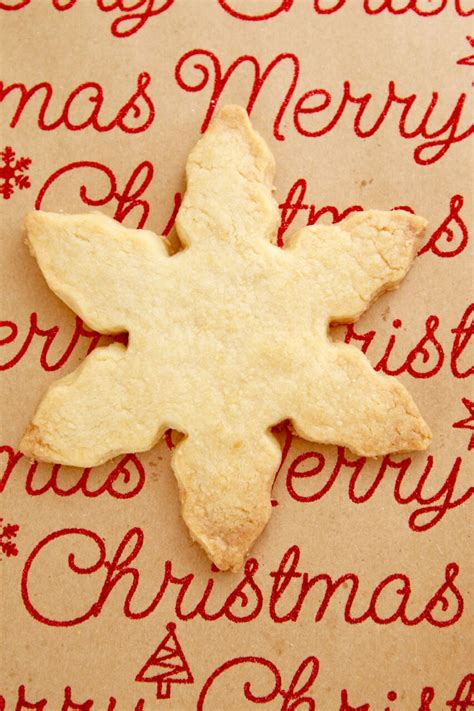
226 338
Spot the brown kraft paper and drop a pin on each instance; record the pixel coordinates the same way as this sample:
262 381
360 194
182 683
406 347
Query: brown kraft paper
358 594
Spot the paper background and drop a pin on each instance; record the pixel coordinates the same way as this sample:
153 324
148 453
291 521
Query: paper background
100 658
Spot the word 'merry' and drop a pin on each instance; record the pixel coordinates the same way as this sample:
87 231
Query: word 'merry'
311 114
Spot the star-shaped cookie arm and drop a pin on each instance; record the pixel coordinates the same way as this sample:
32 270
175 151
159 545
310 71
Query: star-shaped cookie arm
74 254
229 177
224 485
358 259
100 410
347 403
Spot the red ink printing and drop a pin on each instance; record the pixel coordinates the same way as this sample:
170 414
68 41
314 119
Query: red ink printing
451 237
167 665
468 61
244 603
86 100
463 699
13 173
317 112
135 15
309 479
293 696
238 8
298 692
468 422
462 352
8 532
426 358
124 481
127 199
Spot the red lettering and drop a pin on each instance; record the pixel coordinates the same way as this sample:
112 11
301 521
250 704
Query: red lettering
288 572
293 696
131 22
291 207
461 10
220 80
294 203
134 17
86 199
463 699
86 100
298 470
427 696
127 199
451 237
50 335
12 460
70 705
439 133
424 360
448 240
422 8
326 100
364 338
124 481
243 594
283 6
247 594
346 705
427 349
449 127
440 600
328 8
463 335
310 478
438 504
264 665
374 7
99 559
22 703
15 4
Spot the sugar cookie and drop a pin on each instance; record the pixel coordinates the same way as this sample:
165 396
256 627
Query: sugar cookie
226 338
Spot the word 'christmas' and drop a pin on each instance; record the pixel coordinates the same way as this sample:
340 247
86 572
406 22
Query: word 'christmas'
294 593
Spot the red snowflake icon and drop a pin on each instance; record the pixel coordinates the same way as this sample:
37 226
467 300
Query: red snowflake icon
468 61
12 172
167 665
468 422
8 531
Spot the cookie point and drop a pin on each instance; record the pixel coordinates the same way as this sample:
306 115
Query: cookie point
420 225
36 219
229 562
30 219
416 223
27 444
424 437
233 115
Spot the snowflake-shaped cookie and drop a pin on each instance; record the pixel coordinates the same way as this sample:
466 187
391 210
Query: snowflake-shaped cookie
226 338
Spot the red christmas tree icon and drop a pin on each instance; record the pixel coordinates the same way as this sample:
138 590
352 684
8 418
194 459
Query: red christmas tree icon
167 665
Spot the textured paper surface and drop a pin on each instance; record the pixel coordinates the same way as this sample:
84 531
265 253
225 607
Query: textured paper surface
120 102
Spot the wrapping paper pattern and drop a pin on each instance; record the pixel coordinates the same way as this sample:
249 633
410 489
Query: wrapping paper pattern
358 595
